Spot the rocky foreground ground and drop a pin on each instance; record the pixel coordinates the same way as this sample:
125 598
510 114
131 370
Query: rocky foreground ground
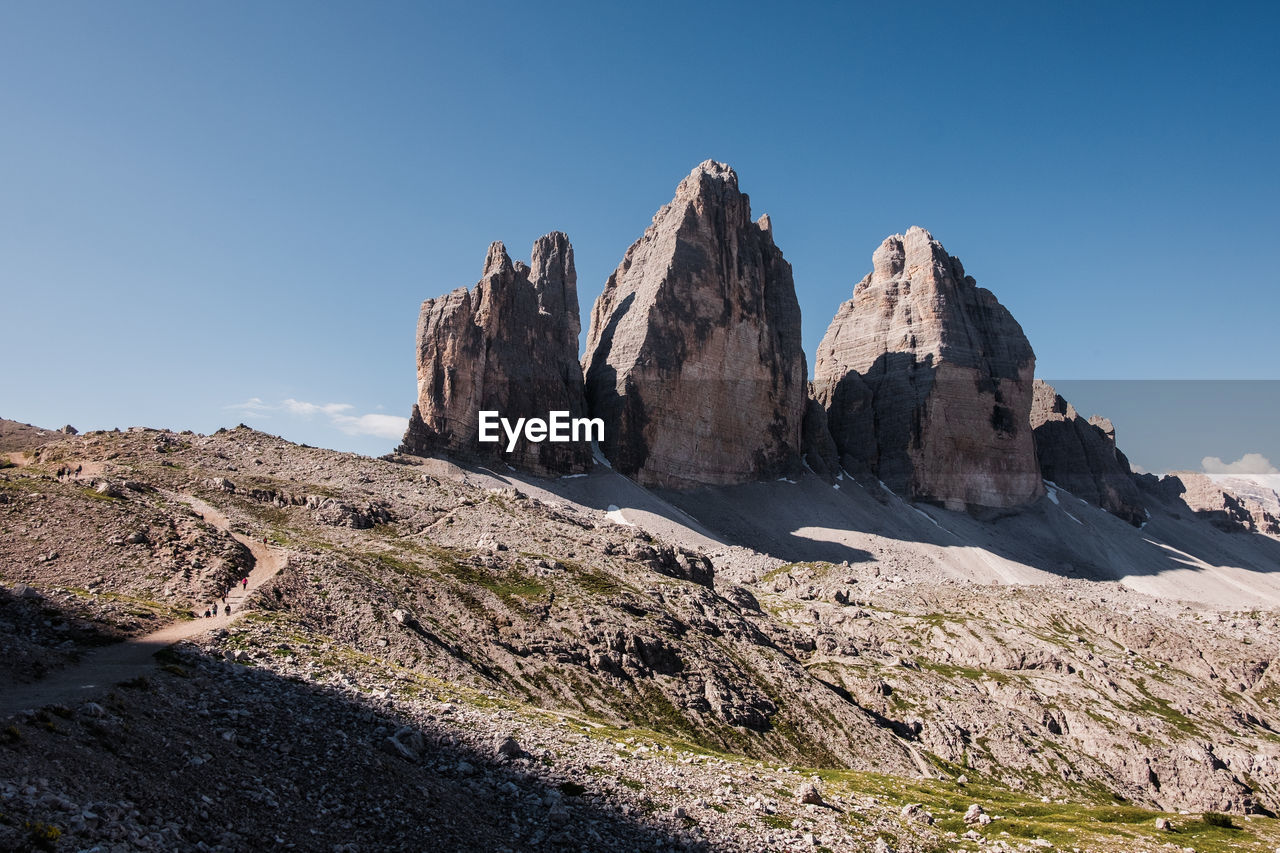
444 666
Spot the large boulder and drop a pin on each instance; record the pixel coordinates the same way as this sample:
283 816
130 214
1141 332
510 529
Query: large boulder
1081 456
509 345
927 380
694 358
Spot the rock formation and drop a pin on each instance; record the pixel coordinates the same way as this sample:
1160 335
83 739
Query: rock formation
1215 503
694 359
511 345
1081 456
820 452
927 381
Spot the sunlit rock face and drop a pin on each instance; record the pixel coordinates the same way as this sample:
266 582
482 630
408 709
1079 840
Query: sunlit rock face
694 358
927 382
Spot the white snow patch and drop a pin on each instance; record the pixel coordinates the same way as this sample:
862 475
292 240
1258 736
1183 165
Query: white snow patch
572 476
615 515
1053 496
926 515
1073 518
785 480
598 455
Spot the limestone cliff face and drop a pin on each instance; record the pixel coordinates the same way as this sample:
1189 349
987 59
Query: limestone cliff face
509 344
694 359
927 381
1081 456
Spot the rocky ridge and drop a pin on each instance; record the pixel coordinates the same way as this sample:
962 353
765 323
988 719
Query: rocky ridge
1215 502
1081 456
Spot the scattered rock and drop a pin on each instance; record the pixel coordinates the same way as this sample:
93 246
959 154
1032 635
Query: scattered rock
916 811
508 748
22 590
808 794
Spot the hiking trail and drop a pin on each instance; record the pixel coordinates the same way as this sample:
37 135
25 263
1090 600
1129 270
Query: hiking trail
102 668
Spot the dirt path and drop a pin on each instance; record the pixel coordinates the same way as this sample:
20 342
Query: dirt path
105 667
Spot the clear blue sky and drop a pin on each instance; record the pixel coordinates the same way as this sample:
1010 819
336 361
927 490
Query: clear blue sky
204 204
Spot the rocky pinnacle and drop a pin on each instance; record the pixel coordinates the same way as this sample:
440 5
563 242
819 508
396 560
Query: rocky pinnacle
694 358
510 344
927 381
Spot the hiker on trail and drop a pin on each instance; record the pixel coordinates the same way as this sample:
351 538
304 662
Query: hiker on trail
228 609
79 468
244 582
206 613
215 608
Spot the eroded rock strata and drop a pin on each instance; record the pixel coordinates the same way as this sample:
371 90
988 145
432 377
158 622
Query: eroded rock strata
694 358
927 381
510 344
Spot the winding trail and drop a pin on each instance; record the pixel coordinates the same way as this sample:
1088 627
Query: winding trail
104 667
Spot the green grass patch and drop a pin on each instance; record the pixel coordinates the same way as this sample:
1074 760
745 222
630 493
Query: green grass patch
1156 706
818 568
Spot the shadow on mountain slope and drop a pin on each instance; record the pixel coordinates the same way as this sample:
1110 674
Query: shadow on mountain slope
238 757
1176 555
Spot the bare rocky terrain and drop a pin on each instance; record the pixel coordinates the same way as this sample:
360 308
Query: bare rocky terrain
672 669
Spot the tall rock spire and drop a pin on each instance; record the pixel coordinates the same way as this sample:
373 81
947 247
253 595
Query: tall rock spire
694 358
510 344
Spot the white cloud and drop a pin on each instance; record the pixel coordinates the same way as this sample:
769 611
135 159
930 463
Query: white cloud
1250 463
306 410
382 426
340 415
253 406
